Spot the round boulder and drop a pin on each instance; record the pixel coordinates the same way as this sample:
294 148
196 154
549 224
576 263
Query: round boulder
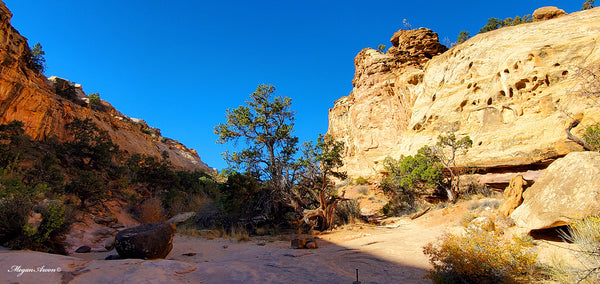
147 241
547 13
568 190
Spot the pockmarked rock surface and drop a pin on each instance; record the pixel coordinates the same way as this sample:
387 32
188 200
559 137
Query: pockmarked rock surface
512 90
568 190
28 96
147 241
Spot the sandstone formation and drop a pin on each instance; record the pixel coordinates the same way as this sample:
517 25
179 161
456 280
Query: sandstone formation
568 190
547 13
147 241
512 90
513 196
28 96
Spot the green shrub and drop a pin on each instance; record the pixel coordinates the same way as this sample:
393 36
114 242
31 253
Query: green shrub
361 181
478 257
495 23
588 4
592 136
462 37
409 177
87 186
13 217
38 61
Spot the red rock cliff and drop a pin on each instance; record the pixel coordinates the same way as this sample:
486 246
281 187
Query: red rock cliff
26 95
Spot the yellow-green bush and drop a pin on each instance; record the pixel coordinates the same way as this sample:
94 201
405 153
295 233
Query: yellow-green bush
478 257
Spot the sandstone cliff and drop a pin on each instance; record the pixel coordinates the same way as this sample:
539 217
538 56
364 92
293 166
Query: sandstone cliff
512 90
27 96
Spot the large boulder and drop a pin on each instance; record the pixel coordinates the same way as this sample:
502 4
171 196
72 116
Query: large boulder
547 13
568 190
147 241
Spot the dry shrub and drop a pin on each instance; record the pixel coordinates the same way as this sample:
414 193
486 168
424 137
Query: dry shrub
151 211
586 235
478 257
347 212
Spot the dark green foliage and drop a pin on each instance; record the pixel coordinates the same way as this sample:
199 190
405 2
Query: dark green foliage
588 4
592 137
462 37
495 23
95 101
87 186
243 195
91 148
409 177
381 48
266 125
65 89
38 62
13 217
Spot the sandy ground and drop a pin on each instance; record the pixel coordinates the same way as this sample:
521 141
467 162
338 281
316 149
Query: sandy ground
388 253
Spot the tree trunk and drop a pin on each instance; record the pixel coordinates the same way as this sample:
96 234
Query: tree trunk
576 139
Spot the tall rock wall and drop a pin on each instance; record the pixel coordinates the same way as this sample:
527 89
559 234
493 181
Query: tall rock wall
27 96
512 90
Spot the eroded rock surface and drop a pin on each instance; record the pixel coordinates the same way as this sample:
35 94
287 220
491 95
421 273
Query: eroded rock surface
512 90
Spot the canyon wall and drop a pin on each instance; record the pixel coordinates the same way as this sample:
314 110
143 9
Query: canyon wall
28 96
513 91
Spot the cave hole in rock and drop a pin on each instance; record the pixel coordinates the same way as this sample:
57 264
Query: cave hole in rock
534 78
480 142
565 73
498 74
470 65
503 93
489 101
463 103
556 64
506 71
516 66
555 234
521 84
469 86
433 98
510 92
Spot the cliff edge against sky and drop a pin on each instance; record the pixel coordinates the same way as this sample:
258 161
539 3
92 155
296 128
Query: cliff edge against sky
512 90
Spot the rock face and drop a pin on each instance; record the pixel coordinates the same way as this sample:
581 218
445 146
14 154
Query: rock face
511 90
568 190
147 241
26 95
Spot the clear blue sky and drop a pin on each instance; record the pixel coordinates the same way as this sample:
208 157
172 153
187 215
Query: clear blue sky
180 64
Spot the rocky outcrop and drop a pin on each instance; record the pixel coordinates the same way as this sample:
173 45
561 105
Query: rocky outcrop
547 13
513 195
512 90
27 96
568 190
147 241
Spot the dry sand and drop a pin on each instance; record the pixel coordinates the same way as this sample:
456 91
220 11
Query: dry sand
390 253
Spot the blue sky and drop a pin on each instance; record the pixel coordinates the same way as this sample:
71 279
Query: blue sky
180 64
